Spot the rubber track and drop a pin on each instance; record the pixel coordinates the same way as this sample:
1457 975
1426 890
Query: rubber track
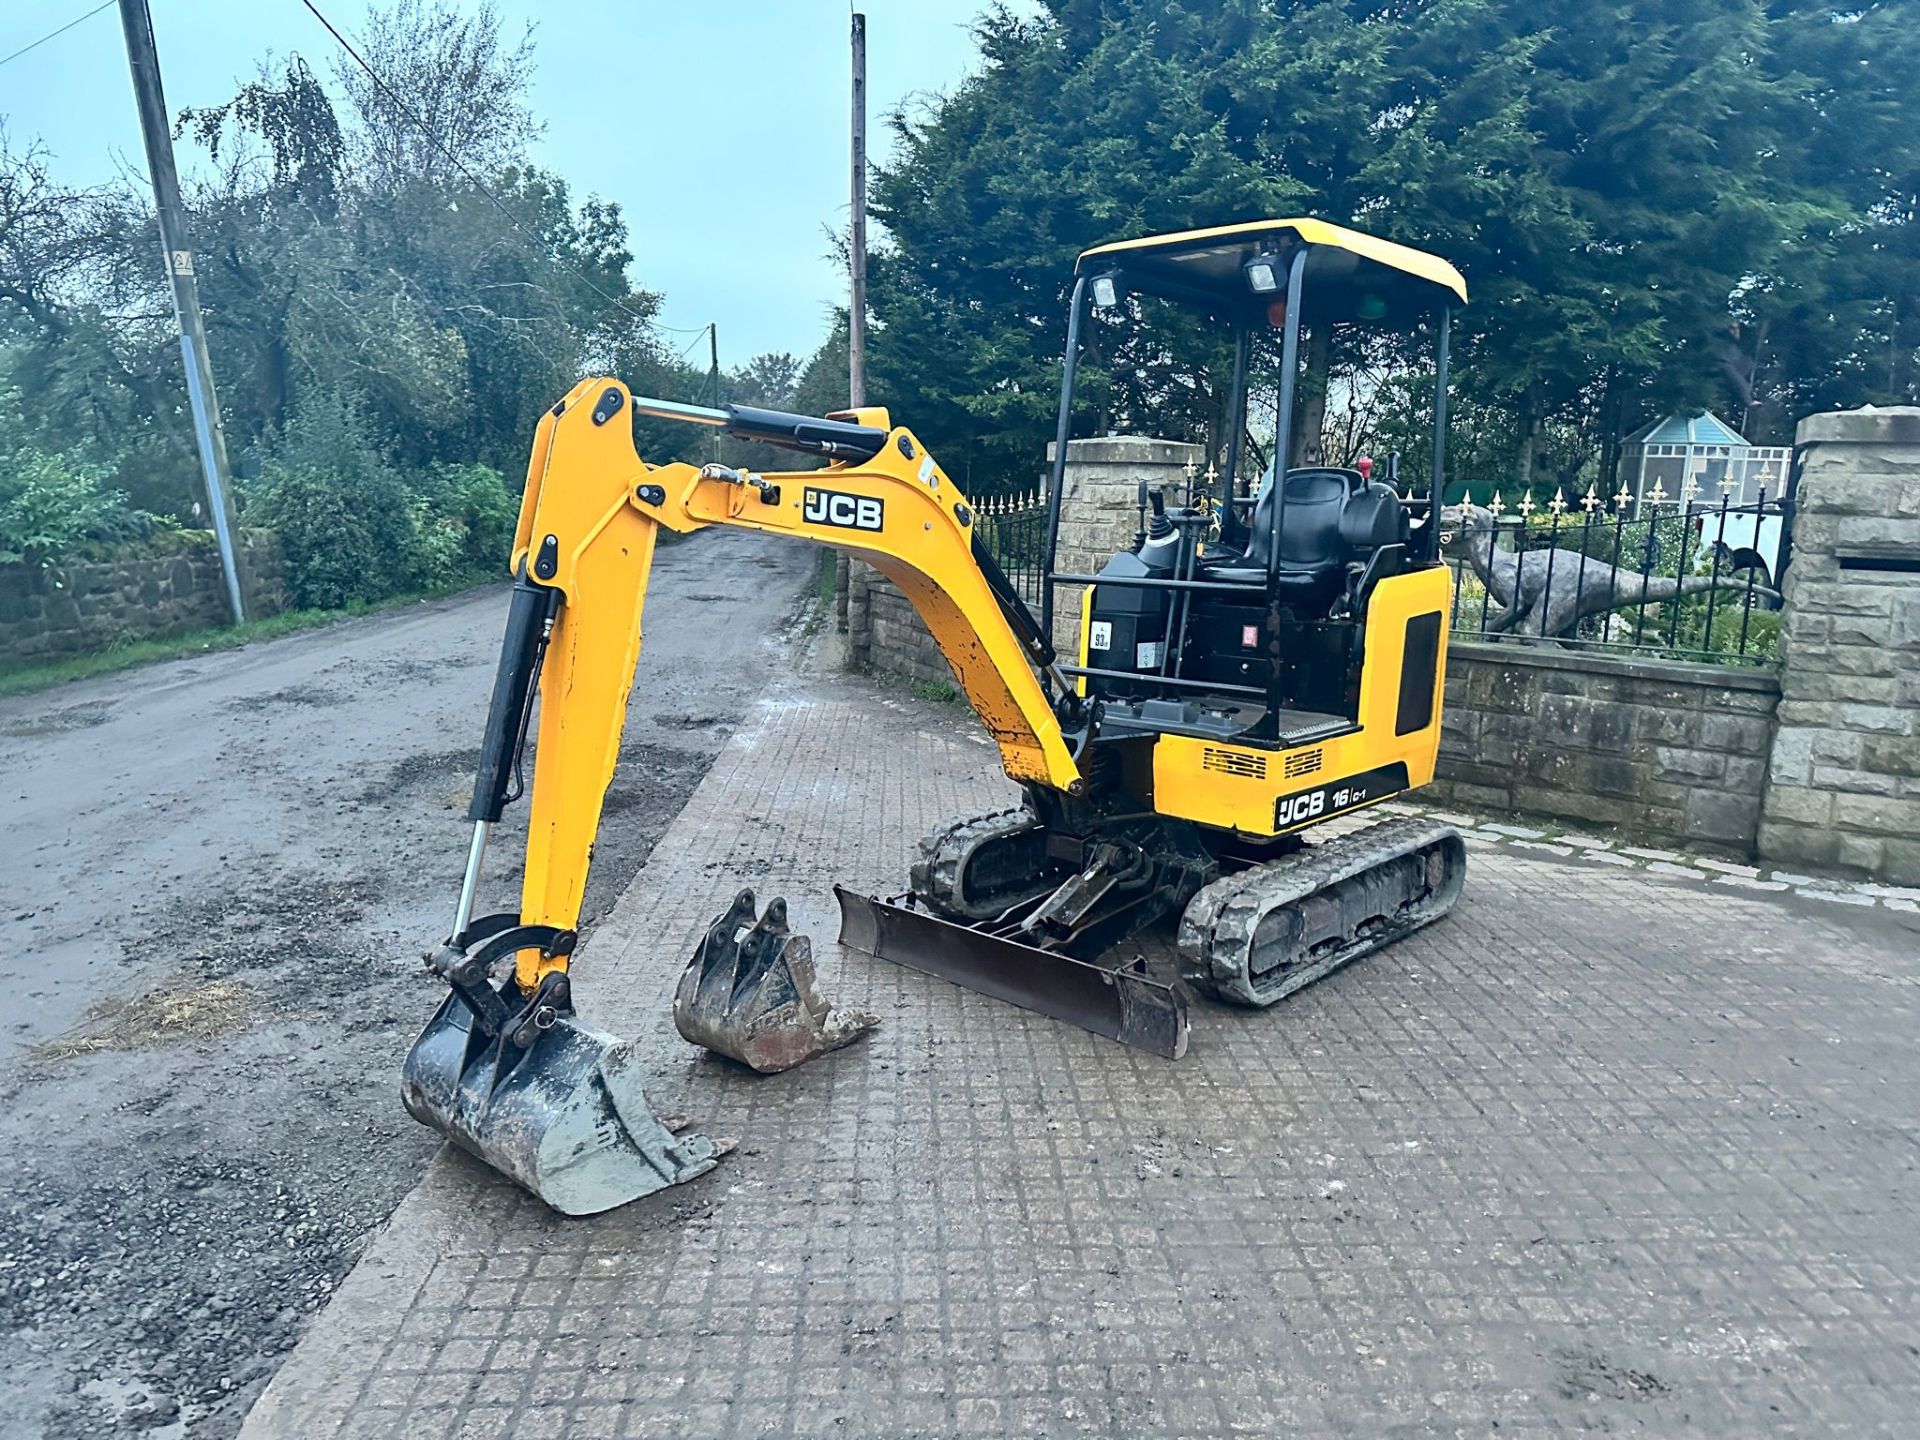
1219 926
935 876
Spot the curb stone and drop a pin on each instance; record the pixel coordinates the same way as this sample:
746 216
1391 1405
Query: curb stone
1481 832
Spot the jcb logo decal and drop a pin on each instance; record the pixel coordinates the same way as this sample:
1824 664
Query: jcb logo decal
849 512
1304 806
1292 809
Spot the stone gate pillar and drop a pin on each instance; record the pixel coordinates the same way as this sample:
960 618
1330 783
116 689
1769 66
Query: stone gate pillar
1099 508
1843 783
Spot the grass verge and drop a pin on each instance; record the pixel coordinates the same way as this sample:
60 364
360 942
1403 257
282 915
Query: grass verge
941 692
26 679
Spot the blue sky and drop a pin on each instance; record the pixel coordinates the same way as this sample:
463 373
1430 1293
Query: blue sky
720 127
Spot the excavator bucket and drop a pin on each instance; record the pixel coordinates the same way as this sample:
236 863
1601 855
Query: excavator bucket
749 993
541 1097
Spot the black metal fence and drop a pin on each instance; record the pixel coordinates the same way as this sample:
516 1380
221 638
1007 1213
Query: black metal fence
1679 578
1644 574
1014 529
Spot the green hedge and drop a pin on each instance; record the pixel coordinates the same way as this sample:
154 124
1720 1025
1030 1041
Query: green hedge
51 505
354 527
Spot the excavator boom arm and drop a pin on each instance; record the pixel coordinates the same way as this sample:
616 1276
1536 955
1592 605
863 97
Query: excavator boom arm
584 547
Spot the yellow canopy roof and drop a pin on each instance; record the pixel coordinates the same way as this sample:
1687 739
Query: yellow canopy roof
1210 260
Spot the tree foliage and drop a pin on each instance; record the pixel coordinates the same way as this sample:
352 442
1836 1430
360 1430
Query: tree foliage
393 292
1702 203
50 504
451 98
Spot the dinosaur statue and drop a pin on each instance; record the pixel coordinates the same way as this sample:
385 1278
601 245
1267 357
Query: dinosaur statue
1549 592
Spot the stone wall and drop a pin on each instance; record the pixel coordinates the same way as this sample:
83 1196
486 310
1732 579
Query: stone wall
1665 751
1844 784
884 632
168 585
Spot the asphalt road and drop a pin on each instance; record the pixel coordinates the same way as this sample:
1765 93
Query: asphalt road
218 877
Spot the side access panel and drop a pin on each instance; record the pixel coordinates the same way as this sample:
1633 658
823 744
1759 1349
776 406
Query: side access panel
1260 791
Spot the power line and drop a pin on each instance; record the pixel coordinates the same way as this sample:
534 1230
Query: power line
468 175
54 34
698 335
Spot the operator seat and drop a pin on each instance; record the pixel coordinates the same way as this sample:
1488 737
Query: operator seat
1333 518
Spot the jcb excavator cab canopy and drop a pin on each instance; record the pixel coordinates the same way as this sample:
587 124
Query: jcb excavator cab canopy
1250 279
1239 270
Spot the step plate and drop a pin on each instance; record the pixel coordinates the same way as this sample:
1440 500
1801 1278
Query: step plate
1117 1001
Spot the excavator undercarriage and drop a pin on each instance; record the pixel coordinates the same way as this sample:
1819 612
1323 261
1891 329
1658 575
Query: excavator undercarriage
993 906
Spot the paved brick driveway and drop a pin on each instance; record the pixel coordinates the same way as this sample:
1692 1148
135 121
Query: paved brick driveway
1606 1151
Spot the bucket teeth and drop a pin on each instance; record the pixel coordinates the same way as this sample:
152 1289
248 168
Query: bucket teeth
749 993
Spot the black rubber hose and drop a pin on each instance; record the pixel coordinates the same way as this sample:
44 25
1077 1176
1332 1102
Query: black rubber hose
1025 627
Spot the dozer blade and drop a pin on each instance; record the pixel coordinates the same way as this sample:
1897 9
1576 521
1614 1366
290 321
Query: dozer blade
1117 1001
749 993
565 1115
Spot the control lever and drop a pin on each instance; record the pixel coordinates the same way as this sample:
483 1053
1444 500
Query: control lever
1159 525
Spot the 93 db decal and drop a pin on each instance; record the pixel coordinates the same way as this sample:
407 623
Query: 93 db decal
1330 799
849 512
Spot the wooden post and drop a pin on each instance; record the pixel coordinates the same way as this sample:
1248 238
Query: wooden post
713 377
857 308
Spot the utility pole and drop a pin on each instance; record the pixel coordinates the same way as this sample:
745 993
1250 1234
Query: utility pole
857 301
145 64
857 308
713 375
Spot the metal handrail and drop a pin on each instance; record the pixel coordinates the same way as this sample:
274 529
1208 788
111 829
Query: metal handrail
1154 582
1142 678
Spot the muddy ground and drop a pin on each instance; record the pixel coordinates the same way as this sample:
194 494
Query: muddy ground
218 876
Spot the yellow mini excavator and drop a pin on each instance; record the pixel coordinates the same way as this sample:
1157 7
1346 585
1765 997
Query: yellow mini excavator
1264 657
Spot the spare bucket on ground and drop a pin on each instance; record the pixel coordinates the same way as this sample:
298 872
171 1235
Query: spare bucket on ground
750 993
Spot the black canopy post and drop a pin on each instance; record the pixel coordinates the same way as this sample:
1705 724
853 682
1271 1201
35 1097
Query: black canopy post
1076 311
1440 403
1437 487
1236 426
1283 422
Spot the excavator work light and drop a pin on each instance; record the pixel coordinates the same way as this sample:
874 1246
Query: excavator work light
1106 291
1263 274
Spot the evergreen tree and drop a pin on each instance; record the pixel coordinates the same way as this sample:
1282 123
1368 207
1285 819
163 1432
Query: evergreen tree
1634 192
